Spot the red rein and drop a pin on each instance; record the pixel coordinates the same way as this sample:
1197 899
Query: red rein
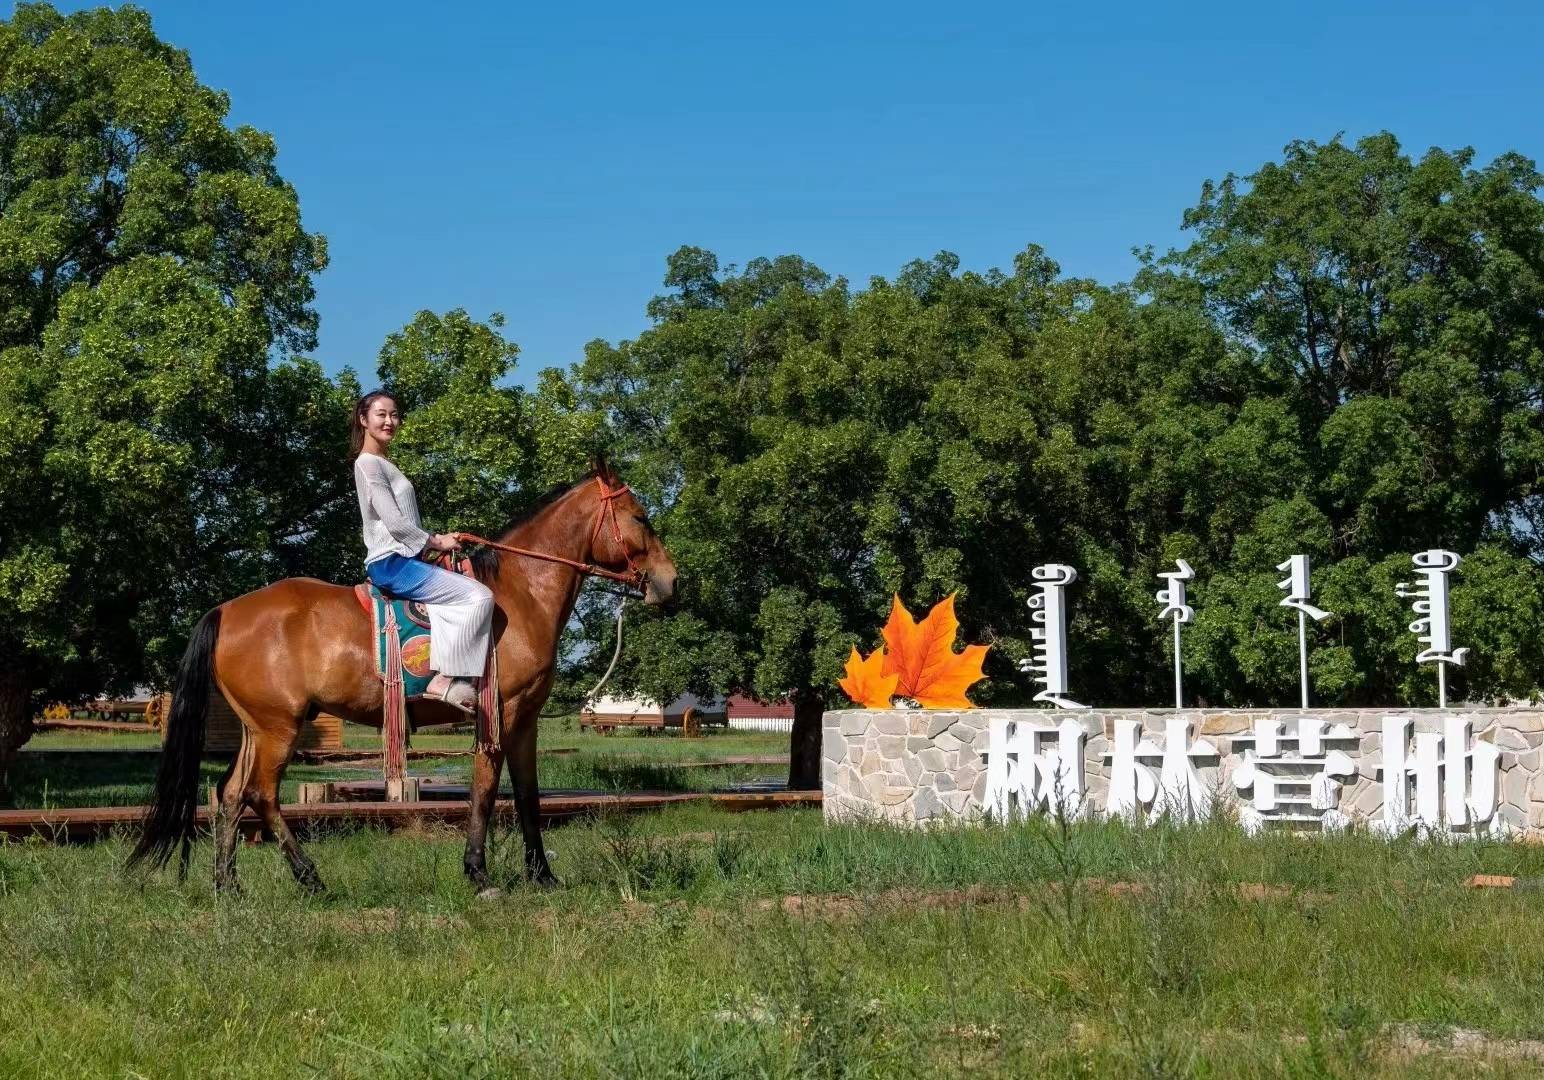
608 513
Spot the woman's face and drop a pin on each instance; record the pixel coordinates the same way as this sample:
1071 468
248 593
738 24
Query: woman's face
382 420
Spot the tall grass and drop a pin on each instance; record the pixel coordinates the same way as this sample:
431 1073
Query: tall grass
698 943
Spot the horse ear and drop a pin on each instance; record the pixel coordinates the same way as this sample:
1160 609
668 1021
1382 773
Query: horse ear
599 465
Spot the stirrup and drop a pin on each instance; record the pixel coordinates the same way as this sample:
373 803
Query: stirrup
458 694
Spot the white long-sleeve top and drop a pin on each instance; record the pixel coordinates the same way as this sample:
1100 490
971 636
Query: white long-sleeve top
389 509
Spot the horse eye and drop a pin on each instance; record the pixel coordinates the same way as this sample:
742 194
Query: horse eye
642 519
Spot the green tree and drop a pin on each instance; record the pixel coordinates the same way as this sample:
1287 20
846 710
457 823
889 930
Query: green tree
469 446
1346 362
812 450
1388 318
480 448
161 443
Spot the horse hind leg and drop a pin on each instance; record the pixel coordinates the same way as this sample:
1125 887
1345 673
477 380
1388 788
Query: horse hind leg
272 758
230 798
273 738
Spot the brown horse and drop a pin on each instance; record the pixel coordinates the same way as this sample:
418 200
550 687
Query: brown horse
285 652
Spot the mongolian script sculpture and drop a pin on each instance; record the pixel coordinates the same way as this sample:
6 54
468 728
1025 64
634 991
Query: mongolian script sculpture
1048 611
1430 604
1173 600
1296 586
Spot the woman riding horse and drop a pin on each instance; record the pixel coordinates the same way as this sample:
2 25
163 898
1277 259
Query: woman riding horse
460 608
300 646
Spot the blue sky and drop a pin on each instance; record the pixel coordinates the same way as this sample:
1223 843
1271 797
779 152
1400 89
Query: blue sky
542 160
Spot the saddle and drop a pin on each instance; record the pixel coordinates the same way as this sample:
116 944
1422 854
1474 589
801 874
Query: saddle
402 636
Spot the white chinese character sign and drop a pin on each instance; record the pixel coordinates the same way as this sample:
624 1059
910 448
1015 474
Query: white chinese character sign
1439 781
1296 586
1429 601
1048 613
1034 767
1289 772
1294 780
1172 597
1173 785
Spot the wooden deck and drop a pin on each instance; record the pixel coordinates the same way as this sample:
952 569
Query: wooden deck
81 824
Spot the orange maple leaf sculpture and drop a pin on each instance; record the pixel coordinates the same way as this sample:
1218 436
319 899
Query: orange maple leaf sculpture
866 681
920 657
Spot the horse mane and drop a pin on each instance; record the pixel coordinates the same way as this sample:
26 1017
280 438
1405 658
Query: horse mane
485 560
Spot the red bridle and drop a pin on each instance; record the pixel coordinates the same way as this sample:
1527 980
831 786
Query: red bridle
608 512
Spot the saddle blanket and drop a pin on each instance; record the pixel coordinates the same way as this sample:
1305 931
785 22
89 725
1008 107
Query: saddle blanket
402 661
411 620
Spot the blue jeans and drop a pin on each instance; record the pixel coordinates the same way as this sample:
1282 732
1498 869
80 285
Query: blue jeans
400 575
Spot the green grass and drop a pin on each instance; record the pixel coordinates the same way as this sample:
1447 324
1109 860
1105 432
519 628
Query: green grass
672 950
60 769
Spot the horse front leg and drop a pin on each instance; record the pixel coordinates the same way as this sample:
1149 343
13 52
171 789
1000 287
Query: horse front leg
522 772
484 799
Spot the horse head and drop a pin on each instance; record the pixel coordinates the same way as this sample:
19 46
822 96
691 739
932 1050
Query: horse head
623 540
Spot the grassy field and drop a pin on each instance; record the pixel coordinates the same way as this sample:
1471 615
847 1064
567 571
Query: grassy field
695 943
68 768
699 943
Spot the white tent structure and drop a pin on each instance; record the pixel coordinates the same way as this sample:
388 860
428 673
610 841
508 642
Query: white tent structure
606 712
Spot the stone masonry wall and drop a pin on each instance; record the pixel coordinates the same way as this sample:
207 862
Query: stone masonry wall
932 766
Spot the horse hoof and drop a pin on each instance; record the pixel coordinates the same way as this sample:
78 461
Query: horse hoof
492 892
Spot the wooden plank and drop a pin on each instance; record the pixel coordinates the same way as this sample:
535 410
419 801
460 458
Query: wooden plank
113 727
323 755
81 824
733 759
437 791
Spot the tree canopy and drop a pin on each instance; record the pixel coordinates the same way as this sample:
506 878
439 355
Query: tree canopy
162 439
480 448
1345 363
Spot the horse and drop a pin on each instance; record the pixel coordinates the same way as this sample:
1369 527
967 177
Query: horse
289 650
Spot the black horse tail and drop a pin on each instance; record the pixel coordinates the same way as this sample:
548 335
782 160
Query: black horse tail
170 823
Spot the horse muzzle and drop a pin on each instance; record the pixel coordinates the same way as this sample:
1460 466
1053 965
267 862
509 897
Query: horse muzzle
659 589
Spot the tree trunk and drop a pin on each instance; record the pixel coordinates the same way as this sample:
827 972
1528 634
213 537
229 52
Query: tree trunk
809 708
15 724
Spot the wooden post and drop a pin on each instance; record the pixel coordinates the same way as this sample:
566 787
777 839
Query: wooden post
404 790
315 792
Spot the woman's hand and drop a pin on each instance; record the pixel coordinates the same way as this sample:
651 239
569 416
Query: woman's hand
444 542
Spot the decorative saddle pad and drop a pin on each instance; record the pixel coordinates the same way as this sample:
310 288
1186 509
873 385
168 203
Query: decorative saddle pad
402 661
411 620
